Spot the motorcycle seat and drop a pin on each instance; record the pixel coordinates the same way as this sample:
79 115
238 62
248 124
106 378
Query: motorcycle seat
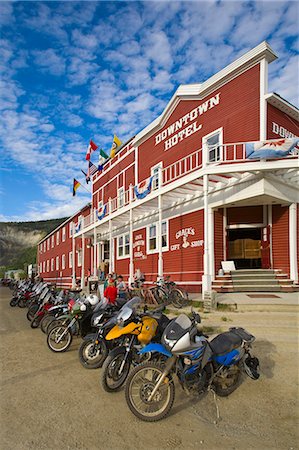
225 343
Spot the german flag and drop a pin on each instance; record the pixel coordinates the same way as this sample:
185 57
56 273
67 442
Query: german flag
76 184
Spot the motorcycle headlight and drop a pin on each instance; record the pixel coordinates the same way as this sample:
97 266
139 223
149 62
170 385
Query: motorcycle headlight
120 322
97 319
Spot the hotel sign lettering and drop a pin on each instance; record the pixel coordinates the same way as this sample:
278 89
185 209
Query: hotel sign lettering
281 131
186 125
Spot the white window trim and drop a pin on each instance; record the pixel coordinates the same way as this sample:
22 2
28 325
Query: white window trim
117 246
58 237
156 250
63 262
48 265
70 260
157 166
57 263
79 258
63 233
71 229
205 148
121 189
53 241
52 264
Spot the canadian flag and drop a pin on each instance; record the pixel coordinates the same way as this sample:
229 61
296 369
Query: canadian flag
91 148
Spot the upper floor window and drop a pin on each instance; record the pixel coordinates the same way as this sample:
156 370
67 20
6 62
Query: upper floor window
63 262
123 246
48 265
63 234
70 260
156 172
52 264
53 240
44 266
71 229
152 237
57 238
121 197
48 244
212 145
57 262
79 258
44 246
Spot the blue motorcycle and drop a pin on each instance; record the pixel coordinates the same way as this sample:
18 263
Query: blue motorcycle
199 364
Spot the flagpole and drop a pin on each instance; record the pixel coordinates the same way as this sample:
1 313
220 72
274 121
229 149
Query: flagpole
82 185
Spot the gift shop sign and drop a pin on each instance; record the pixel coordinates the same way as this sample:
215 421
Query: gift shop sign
185 238
186 125
139 247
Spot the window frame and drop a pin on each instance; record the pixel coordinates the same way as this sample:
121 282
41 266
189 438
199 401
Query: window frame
121 194
57 263
63 234
79 258
123 246
70 260
57 237
157 178
53 241
206 150
165 248
52 265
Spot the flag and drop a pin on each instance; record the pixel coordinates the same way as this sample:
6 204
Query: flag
87 177
144 188
278 148
76 184
92 169
91 148
103 154
115 144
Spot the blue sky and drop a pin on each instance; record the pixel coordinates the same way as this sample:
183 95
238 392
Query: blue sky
71 71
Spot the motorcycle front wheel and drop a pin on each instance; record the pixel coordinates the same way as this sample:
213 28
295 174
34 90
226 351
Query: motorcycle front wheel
22 303
139 386
31 312
59 339
45 322
13 301
92 355
115 372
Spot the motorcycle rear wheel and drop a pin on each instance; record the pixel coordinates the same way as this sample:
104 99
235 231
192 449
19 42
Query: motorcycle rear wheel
22 303
179 298
31 312
112 380
140 384
92 358
35 322
224 386
13 301
55 334
48 318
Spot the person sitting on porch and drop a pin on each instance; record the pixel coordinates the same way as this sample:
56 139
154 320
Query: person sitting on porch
121 287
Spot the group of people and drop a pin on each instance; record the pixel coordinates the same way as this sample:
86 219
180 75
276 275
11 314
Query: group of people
114 286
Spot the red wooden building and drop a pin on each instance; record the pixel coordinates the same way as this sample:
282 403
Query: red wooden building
206 202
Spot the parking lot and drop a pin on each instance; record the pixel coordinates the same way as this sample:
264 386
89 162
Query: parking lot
49 401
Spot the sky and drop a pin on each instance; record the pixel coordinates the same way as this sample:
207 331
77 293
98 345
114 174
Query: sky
75 71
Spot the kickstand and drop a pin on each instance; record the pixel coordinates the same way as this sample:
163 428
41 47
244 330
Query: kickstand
216 406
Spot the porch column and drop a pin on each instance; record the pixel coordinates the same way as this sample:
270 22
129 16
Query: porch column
159 239
211 243
131 264
206 278
82 261
111 256
73 257
94 252
293 242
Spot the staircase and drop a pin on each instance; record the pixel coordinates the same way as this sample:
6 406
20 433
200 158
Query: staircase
254 280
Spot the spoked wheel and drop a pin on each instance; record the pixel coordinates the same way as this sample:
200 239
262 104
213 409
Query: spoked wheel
35 322
227 381
140 384
179 298
92 355
54 322
45 322
31 312
59 339
22 303
115 372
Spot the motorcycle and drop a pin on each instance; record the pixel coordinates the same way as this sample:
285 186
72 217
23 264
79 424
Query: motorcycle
135 330
94 348
77 322
199 364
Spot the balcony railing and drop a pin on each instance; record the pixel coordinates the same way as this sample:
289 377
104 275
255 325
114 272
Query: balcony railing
223 154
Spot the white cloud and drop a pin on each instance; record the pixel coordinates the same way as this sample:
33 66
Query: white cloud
49 61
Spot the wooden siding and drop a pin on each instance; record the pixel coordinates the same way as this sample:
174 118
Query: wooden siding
245 215
281 119
280 238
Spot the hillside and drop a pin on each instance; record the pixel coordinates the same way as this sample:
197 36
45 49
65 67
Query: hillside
18 241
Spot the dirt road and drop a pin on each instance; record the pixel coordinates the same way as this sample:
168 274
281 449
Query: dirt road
48 401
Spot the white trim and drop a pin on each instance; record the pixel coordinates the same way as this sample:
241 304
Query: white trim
123 236
270 223
263 101
158 166
120 194
136 159
205 149
147 227
238 226
283 105
293 242
70 260
224 233
112 179
118 160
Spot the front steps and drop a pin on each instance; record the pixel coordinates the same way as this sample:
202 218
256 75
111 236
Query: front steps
254 280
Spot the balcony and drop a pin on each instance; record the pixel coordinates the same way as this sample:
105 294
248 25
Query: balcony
223 158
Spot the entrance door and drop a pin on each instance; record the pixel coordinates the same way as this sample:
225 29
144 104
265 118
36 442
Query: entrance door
265 247
244 247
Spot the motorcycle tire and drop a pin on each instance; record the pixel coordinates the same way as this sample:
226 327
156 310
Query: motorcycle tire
22 303
223 391
179 298
31 312
44 323
13 302
111 380
89 358
139 386
55 334
35 322
54 323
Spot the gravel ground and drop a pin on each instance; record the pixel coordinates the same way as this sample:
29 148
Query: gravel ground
48 401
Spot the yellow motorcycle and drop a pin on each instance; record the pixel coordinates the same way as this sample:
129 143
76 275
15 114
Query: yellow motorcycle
136 330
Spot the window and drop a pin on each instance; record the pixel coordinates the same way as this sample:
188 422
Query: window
63 262
52 264
57 238
156 174
79 258
41 248
44 266
48 265
40 268
121 197
152 237
63 234
123 246
52 240
71 229
57 262
48 244
71 260
44 246
212 144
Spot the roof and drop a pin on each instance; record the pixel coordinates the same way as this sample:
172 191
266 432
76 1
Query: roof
199 91
283 105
